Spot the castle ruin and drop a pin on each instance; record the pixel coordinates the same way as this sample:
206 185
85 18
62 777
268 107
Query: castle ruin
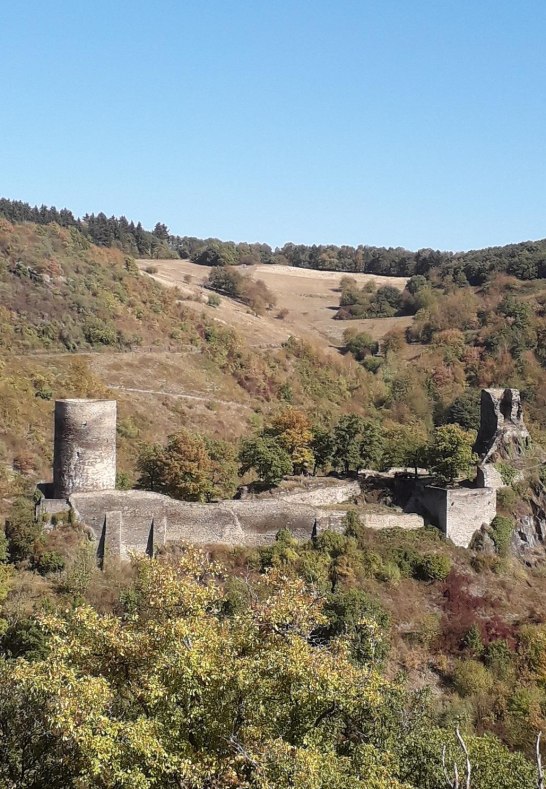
84 479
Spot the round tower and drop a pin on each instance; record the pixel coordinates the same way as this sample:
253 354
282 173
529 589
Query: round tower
85 446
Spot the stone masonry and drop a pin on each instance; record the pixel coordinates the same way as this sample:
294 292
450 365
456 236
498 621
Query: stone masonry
84 446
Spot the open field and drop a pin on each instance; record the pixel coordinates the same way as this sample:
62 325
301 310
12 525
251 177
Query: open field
311 298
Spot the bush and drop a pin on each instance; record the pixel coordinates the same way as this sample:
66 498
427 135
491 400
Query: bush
23 532
433 567
25 638
507 471
471 677
501 533
151 269
50 562
214 300
98 332
357 615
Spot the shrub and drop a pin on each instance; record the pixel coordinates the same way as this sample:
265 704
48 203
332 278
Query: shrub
507 471
23 532
499 658
471 677
433 567
357 615
25 638
214 300
151 269
501 533
50 562
98 332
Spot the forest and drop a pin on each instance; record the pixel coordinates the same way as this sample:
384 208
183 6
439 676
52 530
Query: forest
525 260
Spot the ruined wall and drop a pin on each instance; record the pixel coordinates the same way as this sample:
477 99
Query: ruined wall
85 446
502 428
324 494
124 521
458 512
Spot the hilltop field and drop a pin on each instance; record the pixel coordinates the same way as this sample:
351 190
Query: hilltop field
309 297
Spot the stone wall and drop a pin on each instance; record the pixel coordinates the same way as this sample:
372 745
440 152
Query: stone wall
324 494
124 521
457 512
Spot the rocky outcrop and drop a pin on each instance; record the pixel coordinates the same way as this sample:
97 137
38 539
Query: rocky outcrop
502 432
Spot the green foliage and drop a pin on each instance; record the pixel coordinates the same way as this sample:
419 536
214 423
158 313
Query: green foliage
493 765
501 531
432 567
353 613
214 300
465 410
98 332
267 457
507 471
230 282
159 698
359 443
450 453
24 638
473 641
471 677
23 531
49 562
123 481
190 467
360 345
384 302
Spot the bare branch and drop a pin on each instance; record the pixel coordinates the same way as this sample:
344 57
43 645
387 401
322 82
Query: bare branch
468 765
540 783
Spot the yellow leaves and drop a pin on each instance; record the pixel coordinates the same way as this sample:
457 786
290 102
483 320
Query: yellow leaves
180 689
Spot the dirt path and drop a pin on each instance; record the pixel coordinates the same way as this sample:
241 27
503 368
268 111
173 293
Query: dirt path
176 395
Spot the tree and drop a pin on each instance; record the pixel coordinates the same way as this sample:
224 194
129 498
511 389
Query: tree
267 457
465 410
359 443
149 466
450 453
292 429
22 531
223 468
372 444
347 435
182 469
217 254
323 447
360 344
406 446
226 280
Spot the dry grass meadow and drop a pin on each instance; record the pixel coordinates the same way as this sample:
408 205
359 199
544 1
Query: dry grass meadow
310 297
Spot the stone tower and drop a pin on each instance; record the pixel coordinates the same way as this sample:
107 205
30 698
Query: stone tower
85 446
502 429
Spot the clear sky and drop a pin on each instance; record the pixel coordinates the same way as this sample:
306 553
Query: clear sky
395 122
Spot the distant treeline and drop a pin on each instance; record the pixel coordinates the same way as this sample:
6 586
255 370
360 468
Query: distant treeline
526 260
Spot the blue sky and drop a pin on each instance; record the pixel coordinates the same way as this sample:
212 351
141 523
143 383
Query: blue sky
397 122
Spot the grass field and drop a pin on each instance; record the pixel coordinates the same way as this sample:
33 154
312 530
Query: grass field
310 297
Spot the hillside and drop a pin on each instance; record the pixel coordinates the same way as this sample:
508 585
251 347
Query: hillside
79 320
306 301
466 628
